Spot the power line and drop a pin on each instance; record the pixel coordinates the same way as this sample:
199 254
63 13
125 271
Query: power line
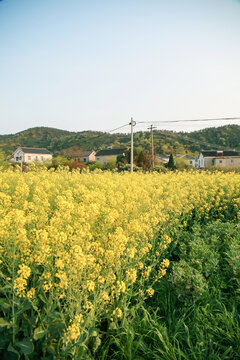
189 120
159 122
82 141
120 127
193 120
102 134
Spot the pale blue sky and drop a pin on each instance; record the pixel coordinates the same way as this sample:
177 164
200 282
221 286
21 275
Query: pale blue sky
80 65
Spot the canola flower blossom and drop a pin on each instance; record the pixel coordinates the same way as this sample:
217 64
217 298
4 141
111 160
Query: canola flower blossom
89 242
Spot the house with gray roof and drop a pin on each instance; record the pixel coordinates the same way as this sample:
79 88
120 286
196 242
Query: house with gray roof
218 158
109 154
28 155
162 159
191 160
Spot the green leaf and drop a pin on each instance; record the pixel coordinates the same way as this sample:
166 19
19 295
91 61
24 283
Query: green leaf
55 315
4 341
112 326
43 298
93 332
26 346
12 354
4 305
55 327
24 307
96 344
3 322
39 333
5 289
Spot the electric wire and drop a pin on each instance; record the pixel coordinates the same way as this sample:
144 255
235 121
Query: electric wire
189 120
100 135
140 124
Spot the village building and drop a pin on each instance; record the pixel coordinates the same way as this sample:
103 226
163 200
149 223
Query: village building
161 159
85 156
218 158
28 155
190 160
109 154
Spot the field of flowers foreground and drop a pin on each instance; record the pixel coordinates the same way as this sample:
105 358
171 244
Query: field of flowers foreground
79 251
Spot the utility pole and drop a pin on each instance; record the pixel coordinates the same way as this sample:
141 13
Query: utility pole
151 128
132 123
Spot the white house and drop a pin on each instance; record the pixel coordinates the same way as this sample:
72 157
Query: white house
218 158
28 155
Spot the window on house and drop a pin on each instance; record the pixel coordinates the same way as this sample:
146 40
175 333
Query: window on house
98 159
20 158
220 161
190 162
85 160
16 158
231 161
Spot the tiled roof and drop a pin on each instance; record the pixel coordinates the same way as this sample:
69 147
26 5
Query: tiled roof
163 158
86 153
110 152
189 157
28 150
215 153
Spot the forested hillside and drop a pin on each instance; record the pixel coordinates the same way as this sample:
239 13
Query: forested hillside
62 142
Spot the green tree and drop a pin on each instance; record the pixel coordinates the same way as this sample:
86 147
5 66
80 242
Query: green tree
3 162
59 161
121 161
144 161
182 164
171 164
96 165
111 164
141 159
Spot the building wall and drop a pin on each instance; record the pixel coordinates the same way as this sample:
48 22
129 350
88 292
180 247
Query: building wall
87 159
92 157
28 158
208 162
227 162
106 158
82 159
19 157
191 162
200 161
231 161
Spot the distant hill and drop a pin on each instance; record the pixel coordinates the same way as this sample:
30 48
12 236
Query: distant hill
62 142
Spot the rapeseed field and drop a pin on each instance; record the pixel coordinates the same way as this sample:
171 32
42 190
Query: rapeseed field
81 254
